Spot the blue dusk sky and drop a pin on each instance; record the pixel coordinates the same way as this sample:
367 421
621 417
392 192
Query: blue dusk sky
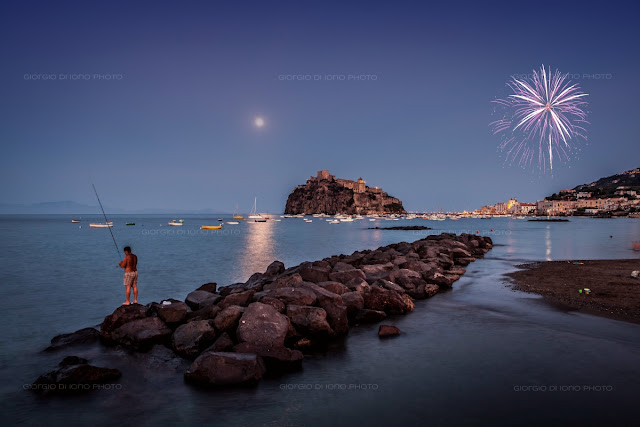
155 101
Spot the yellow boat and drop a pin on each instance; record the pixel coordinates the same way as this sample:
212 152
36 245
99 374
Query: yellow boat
238 217
211 227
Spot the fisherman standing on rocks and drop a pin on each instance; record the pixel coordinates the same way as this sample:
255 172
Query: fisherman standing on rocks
130 263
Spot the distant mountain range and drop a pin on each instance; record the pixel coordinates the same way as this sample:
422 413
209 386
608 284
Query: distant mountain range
70 207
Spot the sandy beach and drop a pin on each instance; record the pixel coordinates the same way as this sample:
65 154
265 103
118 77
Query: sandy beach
614 293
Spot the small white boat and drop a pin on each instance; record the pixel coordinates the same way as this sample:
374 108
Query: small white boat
335 221
347 219
308 220
233 222
175 223
254 213
75 220
276 220
100 225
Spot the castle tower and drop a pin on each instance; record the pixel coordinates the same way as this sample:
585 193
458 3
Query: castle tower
360 186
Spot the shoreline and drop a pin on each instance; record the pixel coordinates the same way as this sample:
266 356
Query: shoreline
236 334
613 292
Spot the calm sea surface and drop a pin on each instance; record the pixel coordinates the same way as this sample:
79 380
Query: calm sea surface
466 356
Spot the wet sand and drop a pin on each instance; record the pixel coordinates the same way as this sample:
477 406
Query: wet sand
614 293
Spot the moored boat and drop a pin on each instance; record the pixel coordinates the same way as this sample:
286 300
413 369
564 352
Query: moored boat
211 227
100 225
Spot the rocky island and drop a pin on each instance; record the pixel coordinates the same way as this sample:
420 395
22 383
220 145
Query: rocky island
326 194
235 334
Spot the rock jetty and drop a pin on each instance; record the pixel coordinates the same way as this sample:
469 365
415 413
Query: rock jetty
236 334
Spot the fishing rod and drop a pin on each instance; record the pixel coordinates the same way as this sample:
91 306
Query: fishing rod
106 221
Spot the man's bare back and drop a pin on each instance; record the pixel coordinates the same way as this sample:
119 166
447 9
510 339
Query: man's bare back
129 263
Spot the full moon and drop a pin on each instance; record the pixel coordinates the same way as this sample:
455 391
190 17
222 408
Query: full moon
259 122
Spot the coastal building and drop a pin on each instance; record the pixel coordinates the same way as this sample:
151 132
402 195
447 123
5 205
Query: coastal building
527 208
583 195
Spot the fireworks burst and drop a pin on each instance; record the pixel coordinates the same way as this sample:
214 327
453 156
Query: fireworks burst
544 119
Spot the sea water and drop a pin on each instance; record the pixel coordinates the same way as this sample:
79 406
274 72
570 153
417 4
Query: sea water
480 353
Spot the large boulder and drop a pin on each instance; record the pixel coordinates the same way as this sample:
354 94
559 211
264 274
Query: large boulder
314 273
374 272
389 285
425 269
203 314
172 312
74 375
377 257
277 359
406 278
262 325
369 316
223 369
335 287
333 305
353 301
284 281
227 319
459 252
342 266
222 343
388 301
201 299
275 303
209 287
122 315
275 268
297 296
193 337
444 280
241 298
142 334
309 320
81 337
348 277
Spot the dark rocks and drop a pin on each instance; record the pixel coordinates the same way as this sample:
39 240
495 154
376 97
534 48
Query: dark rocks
297 296
335 287
342 266
464 261
222 343
81 337
333 305
74 375
348 277
277 359
263 325
209 287
241 298
193 337
353 301
122 315
386 284
406 278
390 302
173 313
275 303
287 281
227 319
223 368
309 320
142 334
444 280
275 268
201 299
314 273
370 316
388 331
203 314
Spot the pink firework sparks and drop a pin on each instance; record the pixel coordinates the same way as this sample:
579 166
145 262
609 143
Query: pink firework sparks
544 119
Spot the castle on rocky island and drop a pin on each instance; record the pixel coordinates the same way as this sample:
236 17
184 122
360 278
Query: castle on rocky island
324 193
